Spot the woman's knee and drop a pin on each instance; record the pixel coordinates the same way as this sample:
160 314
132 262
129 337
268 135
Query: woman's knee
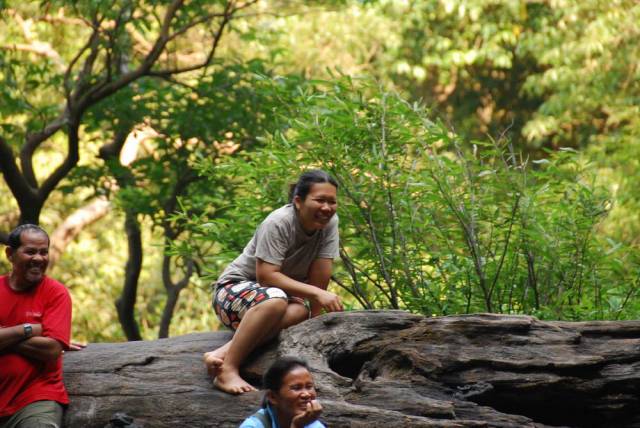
296 313
275 306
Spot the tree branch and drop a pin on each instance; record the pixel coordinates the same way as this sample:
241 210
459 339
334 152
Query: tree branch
20 189
81 80
34 140
514 210
73 225
73 156
103 90
125 304
216 40
39 48
91 44
173 292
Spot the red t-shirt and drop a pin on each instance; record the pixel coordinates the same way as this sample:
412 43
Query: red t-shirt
24 380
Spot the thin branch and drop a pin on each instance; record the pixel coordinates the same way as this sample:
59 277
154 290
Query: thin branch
39 48
363 303
105 89
369 278
33 141
73 156
81 85
196 22
76 58
62 20
368 218
357 290
633 289
216 40
506 244
74 224
468 235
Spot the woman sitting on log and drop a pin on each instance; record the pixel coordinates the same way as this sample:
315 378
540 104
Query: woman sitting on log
290 400
287 263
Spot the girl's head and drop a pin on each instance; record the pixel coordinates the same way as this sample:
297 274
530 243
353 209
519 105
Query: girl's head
314 196
289 387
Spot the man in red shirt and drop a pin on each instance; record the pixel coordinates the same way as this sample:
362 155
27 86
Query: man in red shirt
35 327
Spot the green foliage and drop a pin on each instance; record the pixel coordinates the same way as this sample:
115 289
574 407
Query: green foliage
434 221
428 223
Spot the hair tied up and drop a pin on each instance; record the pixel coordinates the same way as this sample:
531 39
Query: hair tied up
307 179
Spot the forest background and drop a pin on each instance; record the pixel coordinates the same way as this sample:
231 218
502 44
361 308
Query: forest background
487 150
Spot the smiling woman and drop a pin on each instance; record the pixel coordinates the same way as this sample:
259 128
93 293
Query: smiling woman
283 270
290 400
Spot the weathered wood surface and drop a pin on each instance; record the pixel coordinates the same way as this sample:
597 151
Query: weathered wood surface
383 369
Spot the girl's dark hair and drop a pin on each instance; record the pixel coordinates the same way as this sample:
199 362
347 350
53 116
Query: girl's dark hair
272 379
302 187
15 241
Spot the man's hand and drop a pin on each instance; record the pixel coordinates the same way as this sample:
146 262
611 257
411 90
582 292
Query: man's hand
75 346
311 414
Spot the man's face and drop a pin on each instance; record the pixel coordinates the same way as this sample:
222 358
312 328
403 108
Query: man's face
30 259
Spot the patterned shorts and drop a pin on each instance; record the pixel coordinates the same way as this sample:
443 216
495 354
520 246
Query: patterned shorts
232 300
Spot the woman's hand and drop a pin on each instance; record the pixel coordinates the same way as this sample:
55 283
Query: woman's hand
311 414
327 300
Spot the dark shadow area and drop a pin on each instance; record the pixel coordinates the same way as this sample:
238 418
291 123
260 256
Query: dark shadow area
348 364
562 408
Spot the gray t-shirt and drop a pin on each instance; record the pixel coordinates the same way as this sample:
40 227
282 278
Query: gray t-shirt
281 240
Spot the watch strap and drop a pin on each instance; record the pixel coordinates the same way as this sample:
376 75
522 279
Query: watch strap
28 330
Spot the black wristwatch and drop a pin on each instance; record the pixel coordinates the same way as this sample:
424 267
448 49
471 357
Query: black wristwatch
28 330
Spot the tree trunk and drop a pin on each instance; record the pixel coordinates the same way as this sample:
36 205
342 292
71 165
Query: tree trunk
173 291
383 369
127 301
167 312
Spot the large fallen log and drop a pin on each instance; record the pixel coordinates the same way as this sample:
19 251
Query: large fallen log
383 368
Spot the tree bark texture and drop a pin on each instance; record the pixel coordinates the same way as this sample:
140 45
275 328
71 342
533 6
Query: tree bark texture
383 369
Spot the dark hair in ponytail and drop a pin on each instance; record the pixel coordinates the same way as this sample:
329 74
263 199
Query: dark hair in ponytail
302 187
273 377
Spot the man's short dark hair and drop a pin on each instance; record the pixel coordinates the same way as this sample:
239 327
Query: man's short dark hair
15 234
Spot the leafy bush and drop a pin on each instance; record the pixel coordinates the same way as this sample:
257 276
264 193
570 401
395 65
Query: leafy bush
430 223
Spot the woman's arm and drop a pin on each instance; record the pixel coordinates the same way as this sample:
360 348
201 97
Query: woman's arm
319 276
269 275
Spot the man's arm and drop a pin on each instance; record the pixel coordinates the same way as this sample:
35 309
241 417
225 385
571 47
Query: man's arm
37 347
10 336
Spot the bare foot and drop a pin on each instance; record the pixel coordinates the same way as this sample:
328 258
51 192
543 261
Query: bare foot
213 361
230 381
